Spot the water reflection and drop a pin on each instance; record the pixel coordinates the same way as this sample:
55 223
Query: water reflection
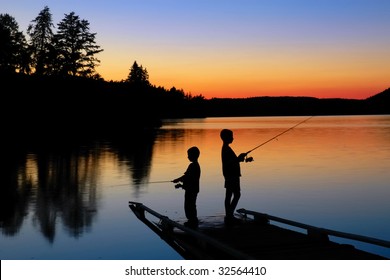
15 192
67 199
135 153
56 183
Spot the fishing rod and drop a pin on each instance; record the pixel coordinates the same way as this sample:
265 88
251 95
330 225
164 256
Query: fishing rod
177 186
146 183
159 182
269 140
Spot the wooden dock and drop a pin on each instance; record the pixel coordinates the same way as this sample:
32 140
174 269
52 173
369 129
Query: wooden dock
253 237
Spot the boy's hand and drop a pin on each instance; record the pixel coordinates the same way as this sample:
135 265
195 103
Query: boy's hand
175 181
242 156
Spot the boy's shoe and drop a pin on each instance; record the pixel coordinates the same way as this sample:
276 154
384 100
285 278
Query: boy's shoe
192 224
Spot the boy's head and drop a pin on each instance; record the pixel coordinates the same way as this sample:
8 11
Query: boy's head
193 153
226 135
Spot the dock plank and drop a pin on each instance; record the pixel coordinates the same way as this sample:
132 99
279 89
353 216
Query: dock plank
248 239
271 242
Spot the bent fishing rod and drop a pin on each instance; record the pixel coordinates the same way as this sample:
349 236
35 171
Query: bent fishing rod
276 136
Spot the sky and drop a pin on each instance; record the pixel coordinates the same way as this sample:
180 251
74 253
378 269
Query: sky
231 48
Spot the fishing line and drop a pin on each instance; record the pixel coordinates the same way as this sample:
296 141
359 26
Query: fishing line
269 140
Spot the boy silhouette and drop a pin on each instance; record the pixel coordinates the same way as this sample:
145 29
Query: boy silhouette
231 172
190 181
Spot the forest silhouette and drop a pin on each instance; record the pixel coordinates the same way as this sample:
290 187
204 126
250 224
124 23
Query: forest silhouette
50 87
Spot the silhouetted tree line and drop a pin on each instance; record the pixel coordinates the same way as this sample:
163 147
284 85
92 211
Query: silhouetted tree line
69 51
297 106
50 82
50 85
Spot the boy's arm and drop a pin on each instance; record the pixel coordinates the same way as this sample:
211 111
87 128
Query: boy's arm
177 180
242 156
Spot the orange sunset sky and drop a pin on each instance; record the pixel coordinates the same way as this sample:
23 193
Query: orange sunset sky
226 48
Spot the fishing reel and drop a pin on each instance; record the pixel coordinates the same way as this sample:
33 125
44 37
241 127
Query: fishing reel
178 186
249 159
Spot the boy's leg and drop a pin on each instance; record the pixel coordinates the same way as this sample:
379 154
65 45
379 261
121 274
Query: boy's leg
228 198
190 206
236 198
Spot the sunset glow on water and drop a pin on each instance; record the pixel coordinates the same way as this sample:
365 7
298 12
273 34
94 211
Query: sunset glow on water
330 172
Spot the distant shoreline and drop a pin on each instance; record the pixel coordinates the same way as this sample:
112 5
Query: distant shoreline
63 105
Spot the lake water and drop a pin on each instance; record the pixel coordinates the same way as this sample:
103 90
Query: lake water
71 201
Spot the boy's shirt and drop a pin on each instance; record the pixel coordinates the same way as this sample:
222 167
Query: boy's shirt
192 176
230 162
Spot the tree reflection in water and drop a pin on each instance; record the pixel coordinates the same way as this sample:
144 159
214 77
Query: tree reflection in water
56 182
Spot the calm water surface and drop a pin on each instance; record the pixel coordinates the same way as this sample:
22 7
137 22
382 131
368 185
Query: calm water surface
71 201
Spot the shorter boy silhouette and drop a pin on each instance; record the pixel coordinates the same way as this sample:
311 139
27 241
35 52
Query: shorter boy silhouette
190 181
